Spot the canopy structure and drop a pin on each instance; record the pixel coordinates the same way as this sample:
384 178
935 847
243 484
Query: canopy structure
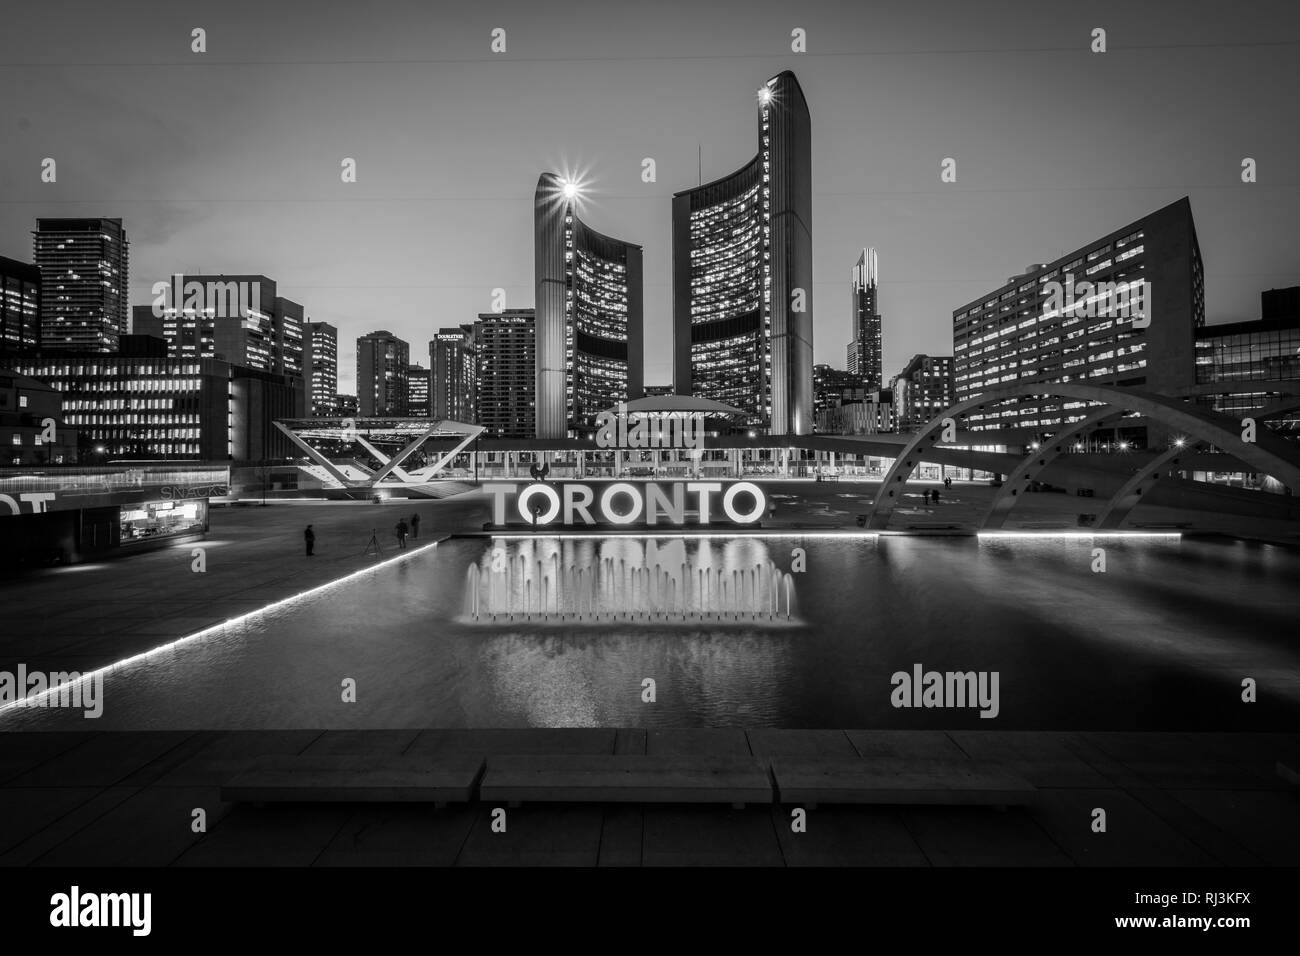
676 404
408 433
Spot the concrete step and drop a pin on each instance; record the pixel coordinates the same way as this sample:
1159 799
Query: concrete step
901 781
355 778
627 778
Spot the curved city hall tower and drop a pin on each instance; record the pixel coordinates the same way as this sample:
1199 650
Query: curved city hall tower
742 252
589 320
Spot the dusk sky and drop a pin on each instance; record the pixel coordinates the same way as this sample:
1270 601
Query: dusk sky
229 162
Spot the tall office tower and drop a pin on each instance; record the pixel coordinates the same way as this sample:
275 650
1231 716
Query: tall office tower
1072 320
922 390
507 373
382 363
742 275
589 315
453 373
85 280
417 391
320 367
20 305
864 350
237 319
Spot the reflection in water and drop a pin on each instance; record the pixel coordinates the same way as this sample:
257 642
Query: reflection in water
593 580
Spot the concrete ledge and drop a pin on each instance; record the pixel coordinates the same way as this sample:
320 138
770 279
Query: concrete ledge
901 781
393 778
627 778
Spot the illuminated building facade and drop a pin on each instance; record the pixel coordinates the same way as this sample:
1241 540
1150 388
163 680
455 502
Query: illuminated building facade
507 374
742 275
154 408
382 363
1027 330
20 305
84 267
1243 368
320 367
588 315
417 391
864 351
237 319
922 390
453 373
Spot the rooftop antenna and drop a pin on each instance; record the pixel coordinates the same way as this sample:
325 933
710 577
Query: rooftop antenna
699 157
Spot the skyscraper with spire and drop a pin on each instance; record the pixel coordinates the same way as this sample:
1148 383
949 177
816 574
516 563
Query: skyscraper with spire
864 352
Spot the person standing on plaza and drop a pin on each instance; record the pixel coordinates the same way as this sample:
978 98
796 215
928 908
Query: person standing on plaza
309 537
415 527
400 530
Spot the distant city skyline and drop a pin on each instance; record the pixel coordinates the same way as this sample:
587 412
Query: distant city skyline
228 162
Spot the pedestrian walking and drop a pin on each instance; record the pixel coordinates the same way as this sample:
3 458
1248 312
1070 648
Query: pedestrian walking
309 537
401 530
947 482
415 527
935 495
925 495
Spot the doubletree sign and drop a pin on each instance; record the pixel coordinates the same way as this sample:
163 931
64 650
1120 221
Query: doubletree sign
622 503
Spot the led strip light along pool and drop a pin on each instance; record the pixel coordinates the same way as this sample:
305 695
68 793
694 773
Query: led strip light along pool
27 702
1162 535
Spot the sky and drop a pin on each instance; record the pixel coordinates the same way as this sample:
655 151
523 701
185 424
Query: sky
229 161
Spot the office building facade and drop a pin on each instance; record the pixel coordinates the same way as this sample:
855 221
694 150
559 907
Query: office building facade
1244 368
589 322
507 373
168 408
238 319
20 305
864 351
1072 320
382 363
742 275
85 281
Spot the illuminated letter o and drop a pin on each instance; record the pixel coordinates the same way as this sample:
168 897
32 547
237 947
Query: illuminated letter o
552 496
760 502
620 488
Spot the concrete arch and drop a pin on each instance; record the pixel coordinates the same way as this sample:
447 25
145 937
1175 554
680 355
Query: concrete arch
1009 493
1129 496
1268 454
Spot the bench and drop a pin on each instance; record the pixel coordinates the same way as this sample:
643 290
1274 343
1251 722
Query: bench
626 778
395 778
905 781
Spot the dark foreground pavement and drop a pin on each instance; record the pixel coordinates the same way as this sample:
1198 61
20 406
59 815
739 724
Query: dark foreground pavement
108 799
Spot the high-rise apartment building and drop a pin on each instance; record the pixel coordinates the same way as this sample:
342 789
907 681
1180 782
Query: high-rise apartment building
382 363
417 391
742 275
85 281
589 315
922 390
320 367
507 373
